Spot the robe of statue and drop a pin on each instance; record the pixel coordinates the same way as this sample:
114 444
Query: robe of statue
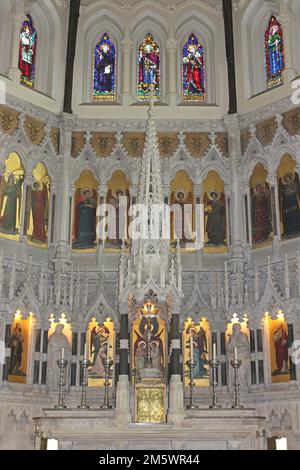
240 340
261 216
39 200
56 342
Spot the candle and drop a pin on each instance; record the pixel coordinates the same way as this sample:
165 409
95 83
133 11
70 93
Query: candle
85 351
108 347
191 348
214 352
63 354
235 354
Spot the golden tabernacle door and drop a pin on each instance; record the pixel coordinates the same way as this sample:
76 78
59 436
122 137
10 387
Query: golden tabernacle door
150 403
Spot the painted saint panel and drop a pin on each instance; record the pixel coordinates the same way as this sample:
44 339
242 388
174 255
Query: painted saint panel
199 335
289 197
11 193
105 68
37 215
193 70
85 206
27 52
19 347
214 213
148 68
118 205
182 209
278 345
261 210
100 343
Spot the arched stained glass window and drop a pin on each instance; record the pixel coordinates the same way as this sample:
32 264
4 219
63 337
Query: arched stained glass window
105 57
274 53
193 70
27 54
148 68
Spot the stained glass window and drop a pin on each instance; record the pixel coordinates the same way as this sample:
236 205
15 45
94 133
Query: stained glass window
274 52
105 57
193 70
27 54
148 68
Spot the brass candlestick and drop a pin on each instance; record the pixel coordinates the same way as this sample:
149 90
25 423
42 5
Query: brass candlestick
62 364
214 364
191 365
106 405
236 364
84 366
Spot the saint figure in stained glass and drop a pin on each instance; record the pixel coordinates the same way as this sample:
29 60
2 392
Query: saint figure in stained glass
27 52
148 68
104 70
193 70
274 52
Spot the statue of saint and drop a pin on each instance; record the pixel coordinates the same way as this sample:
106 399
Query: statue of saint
57 341
240 340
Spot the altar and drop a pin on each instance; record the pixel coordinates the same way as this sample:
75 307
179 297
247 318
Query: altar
201 429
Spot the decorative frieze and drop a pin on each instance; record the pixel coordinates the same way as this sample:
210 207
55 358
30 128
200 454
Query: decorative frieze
133 143
9 120
103 143
78 142
266 131
34 130
197 143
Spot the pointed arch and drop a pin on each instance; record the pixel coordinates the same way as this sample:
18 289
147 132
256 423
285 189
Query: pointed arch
148 68
105 70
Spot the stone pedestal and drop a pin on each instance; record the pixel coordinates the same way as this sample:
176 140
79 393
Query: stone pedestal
199 430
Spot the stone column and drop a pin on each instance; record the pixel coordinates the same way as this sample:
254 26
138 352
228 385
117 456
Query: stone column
171 48
126 93
16 20
249 221
234 142
123 386
63 244
285 18
176 395
273 182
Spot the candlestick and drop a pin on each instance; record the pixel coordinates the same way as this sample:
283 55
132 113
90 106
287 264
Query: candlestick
214 352
107 351
214 364
191 347
62 364
191 365
235 354
106 405
84 365
236 364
